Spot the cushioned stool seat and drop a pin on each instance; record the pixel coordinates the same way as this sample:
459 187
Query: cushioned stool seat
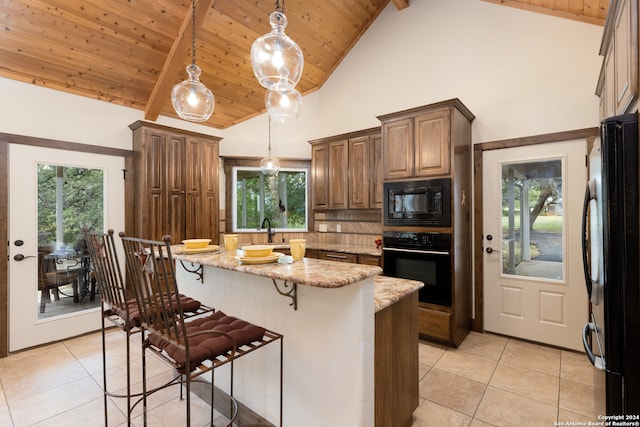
205 341
130 310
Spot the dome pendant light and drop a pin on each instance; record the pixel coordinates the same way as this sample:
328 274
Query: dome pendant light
283 106
269 165
276 59
190 98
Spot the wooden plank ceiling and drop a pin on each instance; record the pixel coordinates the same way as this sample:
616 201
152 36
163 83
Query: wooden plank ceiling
132 52
590 11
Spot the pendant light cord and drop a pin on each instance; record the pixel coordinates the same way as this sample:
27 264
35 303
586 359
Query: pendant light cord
269 136
193 32
278 9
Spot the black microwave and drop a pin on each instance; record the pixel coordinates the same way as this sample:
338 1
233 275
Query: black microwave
418 203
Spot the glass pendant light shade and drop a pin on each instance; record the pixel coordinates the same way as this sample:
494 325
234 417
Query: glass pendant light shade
191 99
269 165
283 106
276 59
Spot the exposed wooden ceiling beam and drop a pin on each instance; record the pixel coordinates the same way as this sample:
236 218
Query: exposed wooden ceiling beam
519 4
175 60
400 4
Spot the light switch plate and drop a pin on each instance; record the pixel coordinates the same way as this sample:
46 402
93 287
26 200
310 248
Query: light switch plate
322 228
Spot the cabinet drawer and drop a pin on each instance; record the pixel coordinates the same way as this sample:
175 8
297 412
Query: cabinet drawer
339 256
369 260
434 323
312 253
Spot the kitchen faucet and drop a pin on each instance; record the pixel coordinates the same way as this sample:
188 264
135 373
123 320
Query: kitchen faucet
270 232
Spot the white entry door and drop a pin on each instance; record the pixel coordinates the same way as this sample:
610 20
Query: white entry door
52 195
533 279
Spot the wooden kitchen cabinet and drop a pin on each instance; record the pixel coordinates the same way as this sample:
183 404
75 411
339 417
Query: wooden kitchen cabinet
417 143
434 141
346 171
625 40
376 178
350 257
339 174
203 193
339 256
320 176
176 182
369 260
618 80
397 136
358 169
396 363
312 253
437 323
432 149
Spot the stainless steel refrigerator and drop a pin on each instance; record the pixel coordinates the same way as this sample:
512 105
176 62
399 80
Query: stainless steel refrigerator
611 253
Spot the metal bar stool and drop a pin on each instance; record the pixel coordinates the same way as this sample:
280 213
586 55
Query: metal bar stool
192 347
119 305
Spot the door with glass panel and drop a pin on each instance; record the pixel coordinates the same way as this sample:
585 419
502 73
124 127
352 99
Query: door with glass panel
532 201
53 194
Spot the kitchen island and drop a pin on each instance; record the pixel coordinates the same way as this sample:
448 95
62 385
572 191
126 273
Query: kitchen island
327 317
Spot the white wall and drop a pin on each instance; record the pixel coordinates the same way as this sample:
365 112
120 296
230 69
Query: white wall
31 110
521 74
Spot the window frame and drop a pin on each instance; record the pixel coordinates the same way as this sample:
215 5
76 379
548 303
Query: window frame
229 163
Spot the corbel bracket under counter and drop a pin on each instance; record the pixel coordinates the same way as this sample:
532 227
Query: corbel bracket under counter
292 292
195 269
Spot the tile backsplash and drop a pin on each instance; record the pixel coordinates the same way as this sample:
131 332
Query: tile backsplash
358 228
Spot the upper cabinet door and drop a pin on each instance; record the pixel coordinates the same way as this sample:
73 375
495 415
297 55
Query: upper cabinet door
625 40
375 162
320 176
432 148
608 96
339 175
618 80
398 148
359 173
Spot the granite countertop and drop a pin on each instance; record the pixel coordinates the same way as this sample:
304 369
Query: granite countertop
312 272
389 290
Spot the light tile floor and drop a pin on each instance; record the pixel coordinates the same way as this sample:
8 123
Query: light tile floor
489 380
492 380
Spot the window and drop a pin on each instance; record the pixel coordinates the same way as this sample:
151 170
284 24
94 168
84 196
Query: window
69 198
532 220
281 198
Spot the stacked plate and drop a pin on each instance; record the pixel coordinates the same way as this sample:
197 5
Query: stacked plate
259 254
197 246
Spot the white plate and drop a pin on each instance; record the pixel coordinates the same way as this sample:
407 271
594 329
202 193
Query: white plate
206 249
261 259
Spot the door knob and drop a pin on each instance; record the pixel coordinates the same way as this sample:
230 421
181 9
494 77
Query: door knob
490 250
20 257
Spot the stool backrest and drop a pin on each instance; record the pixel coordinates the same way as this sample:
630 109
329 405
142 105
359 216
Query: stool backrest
151 272
106 267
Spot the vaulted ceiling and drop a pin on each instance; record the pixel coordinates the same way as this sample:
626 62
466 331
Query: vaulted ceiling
132 52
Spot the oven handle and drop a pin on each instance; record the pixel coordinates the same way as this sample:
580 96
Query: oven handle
415 251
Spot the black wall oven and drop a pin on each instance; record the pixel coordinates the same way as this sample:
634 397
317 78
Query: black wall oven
424 203
425 257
